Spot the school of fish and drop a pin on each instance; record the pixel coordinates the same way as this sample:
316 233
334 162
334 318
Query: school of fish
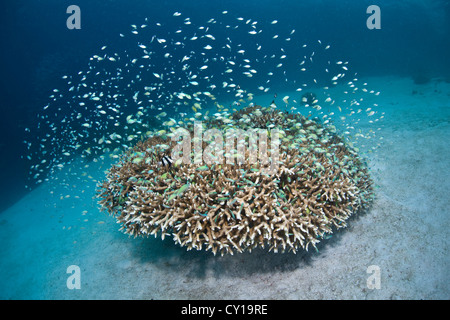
169 73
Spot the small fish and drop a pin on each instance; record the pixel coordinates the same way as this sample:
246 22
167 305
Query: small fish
166 161
273 105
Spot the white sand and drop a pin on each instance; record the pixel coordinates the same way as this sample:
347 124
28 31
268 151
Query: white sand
406 233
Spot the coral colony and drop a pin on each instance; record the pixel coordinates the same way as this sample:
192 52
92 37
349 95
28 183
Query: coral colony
239 198
281 175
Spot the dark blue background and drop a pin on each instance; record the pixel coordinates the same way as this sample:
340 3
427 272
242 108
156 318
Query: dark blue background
37 48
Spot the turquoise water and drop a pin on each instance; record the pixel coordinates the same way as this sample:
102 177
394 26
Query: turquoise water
74 100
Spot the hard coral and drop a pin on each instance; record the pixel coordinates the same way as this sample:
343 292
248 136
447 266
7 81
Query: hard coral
225 208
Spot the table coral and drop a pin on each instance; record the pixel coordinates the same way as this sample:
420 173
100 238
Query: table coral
319 183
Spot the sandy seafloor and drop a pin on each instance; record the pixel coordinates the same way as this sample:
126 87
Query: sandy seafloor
405 233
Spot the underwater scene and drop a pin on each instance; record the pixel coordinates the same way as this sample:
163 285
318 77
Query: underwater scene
225 150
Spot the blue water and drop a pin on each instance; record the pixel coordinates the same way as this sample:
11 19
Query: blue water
38 49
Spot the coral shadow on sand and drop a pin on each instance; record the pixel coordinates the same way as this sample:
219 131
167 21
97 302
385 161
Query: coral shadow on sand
200 264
